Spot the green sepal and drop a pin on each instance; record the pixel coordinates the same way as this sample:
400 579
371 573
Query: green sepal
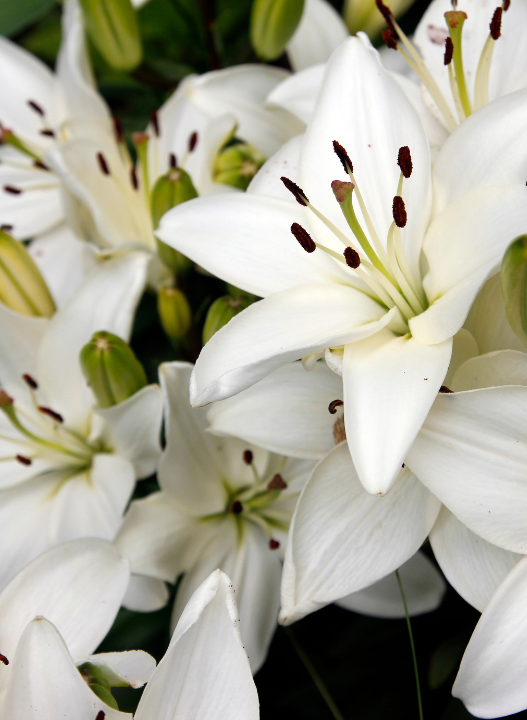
514 286
113 28
174 312
222 310
273 23
111 369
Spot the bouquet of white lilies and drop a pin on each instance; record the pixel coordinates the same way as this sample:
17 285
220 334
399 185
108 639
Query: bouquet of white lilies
263 351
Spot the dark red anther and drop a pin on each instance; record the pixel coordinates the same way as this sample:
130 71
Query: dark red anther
103 165
36 107
247 457
277 483
40 165
399 211
192 141
117 129
47 133
506 5
23 459
352 258
343 156
236 507
273 544
298 193
389 38
154 118
133 178
33 384
449 51
172 161
12 190
386 13
404 160
444 389
3 659
100 715
303 237
6 228
495 23
333 405
52 414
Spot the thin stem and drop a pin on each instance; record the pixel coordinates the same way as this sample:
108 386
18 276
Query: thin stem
414 656
317 680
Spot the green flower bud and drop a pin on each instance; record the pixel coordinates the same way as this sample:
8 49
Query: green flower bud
273 23
364 15
111 369
514 285
98 683
112 26
22 287
237 165
174 312
221 311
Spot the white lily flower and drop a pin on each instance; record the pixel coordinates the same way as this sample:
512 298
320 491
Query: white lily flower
393 346
39 110
223 503
55 612
205 672
68 468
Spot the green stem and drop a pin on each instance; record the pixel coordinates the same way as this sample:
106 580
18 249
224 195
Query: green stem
414 656
317 680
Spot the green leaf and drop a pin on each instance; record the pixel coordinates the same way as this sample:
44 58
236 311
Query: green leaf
15 15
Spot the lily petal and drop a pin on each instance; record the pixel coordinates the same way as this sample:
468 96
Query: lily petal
21 336
298 93
283 162
132 668
505 367
320 31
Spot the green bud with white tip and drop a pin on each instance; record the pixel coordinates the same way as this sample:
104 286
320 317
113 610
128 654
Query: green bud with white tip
221 312
273 23
113 28
22 287
111 369
174 312
236 165
514 286
170 190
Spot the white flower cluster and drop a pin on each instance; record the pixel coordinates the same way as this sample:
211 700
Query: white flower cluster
376 395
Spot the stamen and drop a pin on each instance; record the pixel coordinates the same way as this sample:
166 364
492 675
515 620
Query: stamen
390 39
236 507
172 161
40 165
100 715
103 165
333 405
117 129
5 399
3 659
352 258
24 460
298 193
404 160
343 156
47 132
277 483
247 457
455 20
6 228
449 51
192 141
33 384
12 190
133 178
154 118
481 86
52 414
386 13
444 389
303 237
36 107
506 5
273 544
495 23
399 211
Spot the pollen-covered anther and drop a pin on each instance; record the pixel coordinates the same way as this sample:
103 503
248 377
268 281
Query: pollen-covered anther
3 659
404 160
117 129
445 389
343 156
386 13
36 107
23 460
154 119
133 178
103 165
389 38
247 457
47 132
495 23
274 544
40 165
51 413
12 190
100 715
341 189
303 237
449 51
399 211
29 380
293 188
192 141
5 399
172 161
236 507
333 405
352 258
277 483
506 5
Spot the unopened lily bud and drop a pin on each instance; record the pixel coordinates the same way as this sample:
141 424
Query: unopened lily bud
111 369
174 312
99 684
273 23
364 15
112 26
514 285
172 189
237 165
22 287
221 312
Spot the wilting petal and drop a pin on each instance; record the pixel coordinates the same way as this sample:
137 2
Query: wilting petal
342 539
473 566
491 679
320 31
205 672
472 454
423 588
390 383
